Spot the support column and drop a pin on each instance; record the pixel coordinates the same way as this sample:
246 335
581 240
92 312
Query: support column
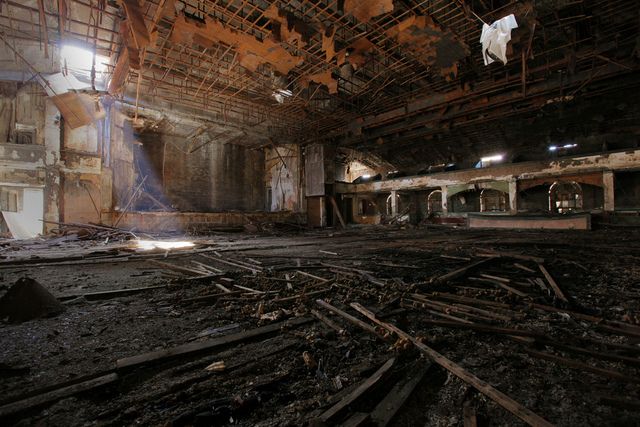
445 196
394 203
609 191
513 197
52 194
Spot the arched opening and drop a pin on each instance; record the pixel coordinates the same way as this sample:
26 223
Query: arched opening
389 208
464 201
367 207
565 197
434 202
493 200
534 199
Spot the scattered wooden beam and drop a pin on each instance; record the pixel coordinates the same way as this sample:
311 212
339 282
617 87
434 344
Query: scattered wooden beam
398 395
336 209
244 288
463 308
554 285
222 287
358 419
322 279
621 402
109 294
576 364
56 394
330 323
196 347
301 295
483 387
446 308
513 255
469 415
483 328
178 268
501 285
347 316
461 271
469 300
596 354
211 297
342 267
523 267
460 258
332 413
254 269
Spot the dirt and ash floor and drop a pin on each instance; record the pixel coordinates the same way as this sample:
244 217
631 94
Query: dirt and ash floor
254 330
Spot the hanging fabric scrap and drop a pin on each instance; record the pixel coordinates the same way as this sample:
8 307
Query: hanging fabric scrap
495 37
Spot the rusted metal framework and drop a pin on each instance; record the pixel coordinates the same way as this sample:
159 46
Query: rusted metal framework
397 91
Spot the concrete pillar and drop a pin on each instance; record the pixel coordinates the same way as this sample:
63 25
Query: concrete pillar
394 203
445 196
323 211
52 165
609 191
513 197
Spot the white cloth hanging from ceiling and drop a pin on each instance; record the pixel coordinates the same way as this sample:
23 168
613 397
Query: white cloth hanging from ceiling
494 39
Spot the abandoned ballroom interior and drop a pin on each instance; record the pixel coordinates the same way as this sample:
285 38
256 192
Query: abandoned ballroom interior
312 212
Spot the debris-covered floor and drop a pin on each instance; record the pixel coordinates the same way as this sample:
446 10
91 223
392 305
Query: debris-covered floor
368 326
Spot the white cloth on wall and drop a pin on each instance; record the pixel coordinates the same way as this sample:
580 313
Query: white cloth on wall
494 39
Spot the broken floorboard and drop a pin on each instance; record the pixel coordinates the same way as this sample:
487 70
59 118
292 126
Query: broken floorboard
197 347
483 387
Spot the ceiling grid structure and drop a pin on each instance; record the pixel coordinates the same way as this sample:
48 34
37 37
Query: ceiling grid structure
407 78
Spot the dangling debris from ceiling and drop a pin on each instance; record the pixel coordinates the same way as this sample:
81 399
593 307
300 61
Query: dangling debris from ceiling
494 39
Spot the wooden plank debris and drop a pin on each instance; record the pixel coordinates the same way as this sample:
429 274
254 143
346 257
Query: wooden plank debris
254 269
502 285
469 415
483 387
196 347
384 412
330 323
332 413
109 294
56 394
357 419
523 267
459 272
554 285
576 364
181 269
347 316
484 328
336 209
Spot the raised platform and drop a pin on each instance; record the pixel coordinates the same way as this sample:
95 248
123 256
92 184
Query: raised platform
178 222
556 222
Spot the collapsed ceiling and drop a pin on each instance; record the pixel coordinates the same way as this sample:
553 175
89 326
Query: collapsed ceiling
404 79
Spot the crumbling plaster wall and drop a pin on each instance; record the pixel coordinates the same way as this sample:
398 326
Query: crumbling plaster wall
82 174
33 164
217 177
282 176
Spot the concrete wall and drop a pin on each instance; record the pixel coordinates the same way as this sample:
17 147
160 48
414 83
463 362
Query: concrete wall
214 178
283 178
183 222
26 167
